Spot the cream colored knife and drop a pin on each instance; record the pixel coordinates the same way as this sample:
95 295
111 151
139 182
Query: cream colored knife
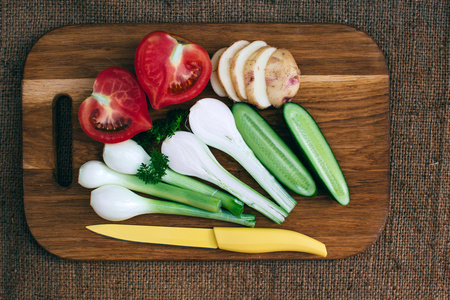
237 239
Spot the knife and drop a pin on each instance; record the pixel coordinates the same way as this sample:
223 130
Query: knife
236 239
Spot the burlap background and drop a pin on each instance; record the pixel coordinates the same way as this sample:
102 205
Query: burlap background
409 261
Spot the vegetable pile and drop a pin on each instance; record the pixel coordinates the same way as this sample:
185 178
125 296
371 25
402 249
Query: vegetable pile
171 70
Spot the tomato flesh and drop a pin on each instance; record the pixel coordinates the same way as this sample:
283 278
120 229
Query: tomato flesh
117 108
171 69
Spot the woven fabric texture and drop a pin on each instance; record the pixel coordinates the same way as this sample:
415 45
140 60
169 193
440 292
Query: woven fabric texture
410 260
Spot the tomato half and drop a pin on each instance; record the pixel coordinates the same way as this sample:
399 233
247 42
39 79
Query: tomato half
171 69
117 109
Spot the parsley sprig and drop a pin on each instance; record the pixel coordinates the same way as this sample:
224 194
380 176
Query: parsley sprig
162 128
153 171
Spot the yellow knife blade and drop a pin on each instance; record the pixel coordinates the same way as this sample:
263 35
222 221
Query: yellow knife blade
179 236
237 239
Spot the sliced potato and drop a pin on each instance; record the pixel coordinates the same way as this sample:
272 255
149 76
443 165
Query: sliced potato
237 67
224 68
215 82
282 77
254 76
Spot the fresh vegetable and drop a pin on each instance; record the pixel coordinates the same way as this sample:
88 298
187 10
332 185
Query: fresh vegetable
190 156
282 77
256 73
316 151
272 151
155 168
171 69
215 81
212 121
225 62
162 128
128 157
116 203
255 79
95 173
237 67
117 108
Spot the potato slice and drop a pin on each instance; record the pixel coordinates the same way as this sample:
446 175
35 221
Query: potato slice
254 76
282 77
224 68
215 82
237 67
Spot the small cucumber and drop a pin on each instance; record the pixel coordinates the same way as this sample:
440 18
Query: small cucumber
316 151
272 151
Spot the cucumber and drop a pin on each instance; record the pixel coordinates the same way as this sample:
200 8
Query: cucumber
272 151
316 150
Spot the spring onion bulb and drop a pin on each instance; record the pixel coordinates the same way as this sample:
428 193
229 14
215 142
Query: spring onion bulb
190 156
116 203
94 174
213 122
126 157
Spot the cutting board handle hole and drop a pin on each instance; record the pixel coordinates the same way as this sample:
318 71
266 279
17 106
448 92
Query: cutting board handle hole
62 120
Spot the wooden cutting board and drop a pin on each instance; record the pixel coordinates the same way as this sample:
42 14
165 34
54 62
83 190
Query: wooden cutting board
344 85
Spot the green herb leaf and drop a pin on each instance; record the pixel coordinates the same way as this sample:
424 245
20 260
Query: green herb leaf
162 128
154 171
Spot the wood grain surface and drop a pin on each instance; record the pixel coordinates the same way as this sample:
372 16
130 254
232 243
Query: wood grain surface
344 85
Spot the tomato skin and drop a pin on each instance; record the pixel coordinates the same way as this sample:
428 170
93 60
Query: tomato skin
171 69
117 109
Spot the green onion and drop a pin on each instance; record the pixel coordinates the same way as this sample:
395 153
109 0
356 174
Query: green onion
188 155
116 203
213 122
128 156
94 174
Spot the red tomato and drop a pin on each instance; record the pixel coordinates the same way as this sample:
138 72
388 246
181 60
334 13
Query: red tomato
117 109
171 69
